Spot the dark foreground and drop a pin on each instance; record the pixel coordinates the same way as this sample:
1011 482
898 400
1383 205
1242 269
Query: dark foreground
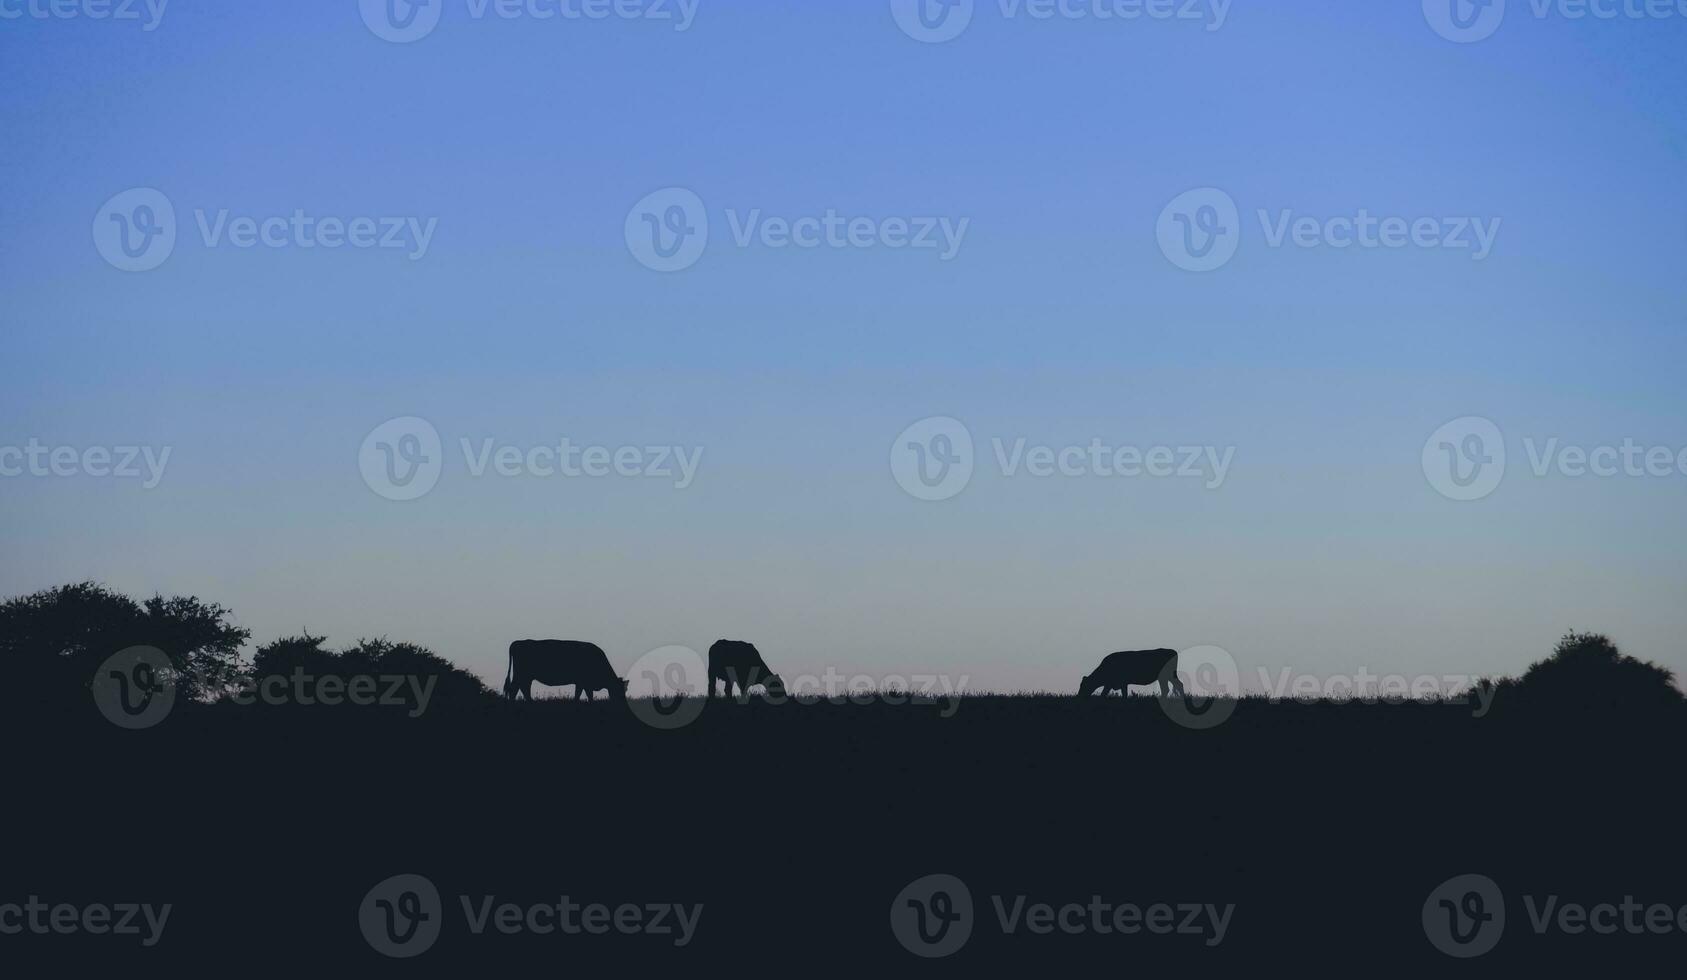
797 826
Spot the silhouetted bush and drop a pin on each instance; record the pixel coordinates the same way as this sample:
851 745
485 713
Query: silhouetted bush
53 641
305 654
1587 669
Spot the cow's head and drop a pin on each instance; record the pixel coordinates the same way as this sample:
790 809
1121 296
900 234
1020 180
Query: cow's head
775 685
620 693
1086 685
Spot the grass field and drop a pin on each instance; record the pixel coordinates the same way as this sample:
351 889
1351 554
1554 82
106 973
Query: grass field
1325 825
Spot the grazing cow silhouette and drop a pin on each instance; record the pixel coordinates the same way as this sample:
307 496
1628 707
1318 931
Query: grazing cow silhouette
740 663
560 663
1139 667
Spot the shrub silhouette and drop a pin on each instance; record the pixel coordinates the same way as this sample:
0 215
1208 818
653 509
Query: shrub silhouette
1587 669
52 641
305 654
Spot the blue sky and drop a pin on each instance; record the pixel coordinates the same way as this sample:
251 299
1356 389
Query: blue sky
1058 320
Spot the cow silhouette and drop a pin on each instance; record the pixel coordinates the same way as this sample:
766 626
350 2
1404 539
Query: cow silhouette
736 662
1142 668
560 663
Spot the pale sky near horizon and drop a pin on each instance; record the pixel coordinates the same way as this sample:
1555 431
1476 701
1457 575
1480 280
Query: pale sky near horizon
512 155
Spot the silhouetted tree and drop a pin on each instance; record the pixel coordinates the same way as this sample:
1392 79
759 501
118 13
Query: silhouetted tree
454 685
303 652
54 640
369 657
1588 669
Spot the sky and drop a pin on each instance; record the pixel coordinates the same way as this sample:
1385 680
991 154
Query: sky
1355 253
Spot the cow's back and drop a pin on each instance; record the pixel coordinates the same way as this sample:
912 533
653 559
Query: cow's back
1136 667
562 662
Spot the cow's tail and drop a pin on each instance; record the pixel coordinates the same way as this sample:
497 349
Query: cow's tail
509 672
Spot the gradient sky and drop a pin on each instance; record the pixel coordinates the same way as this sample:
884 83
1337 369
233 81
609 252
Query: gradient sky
528 320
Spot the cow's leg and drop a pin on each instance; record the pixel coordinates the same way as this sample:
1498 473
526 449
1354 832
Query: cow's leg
1177 686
